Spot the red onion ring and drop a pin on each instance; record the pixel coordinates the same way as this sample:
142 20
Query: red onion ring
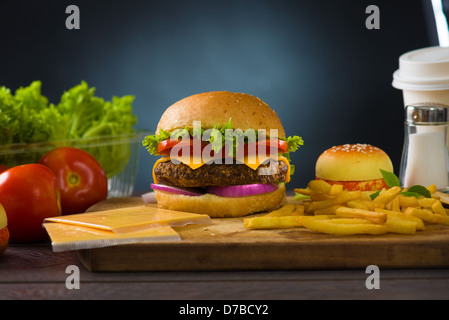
242 190
177 190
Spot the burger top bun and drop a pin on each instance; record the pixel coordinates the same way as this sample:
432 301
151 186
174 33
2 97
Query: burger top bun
352 162
217 107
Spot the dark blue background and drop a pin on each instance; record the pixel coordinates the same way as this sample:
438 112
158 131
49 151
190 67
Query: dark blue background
314 62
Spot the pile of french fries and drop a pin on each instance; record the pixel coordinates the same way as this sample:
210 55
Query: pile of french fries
333 210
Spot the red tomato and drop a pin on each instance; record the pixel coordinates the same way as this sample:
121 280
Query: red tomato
29 193
81 178
3 168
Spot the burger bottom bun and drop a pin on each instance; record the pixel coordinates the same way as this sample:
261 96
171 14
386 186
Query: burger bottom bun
222 207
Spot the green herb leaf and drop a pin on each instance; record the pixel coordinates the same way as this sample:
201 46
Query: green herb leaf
410 194
419 190
374 195
390 179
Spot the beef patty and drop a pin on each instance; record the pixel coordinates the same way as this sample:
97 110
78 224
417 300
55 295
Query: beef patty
181 175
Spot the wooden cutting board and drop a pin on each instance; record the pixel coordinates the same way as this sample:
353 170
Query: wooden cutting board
227 245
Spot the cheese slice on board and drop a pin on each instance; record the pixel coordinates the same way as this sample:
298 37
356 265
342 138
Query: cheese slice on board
124 220
66 237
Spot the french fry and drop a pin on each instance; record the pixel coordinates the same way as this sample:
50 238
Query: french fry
408 201
319 186
438 218
319 196
306 205
387 195
425 215
299 210
438 208
327 211
272 222
445 220
336 189
398 225
395 204
332 226
283 211
373 216
321 217
350 221
366 195
357 204
341 198
363 203
443 197
426 202
432 188
402 216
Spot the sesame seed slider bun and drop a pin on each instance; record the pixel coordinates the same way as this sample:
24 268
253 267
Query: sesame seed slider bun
355 166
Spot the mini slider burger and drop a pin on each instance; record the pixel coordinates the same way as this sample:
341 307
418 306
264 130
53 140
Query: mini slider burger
355 166
224 154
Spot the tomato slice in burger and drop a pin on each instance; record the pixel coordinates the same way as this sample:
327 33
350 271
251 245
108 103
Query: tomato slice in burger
282 146
165 146
278 144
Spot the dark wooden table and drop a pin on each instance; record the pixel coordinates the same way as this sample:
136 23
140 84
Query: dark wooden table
35 272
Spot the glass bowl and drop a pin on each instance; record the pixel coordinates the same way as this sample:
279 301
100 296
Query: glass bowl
118 155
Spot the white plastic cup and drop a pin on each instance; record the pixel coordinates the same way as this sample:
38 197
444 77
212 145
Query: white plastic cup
423 76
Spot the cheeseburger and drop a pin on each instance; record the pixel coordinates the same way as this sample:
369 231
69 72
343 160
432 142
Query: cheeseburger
224 154
355 166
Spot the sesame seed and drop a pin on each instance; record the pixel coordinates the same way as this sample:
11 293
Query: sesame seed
358 147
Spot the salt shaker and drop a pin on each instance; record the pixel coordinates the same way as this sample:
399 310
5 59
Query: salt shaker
425 156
